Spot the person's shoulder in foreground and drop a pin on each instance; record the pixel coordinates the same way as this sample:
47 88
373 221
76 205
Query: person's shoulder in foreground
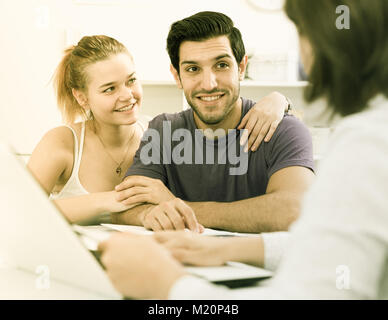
359 143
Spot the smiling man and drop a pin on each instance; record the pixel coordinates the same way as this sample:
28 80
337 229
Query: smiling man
211 82
208 61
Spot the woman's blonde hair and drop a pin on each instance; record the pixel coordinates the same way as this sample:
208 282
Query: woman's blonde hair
70 72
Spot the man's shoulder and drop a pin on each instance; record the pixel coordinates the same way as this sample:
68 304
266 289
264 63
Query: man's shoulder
290 132
247 104
291 125
177 120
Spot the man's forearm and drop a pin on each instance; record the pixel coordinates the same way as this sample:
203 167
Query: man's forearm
266 213
132 216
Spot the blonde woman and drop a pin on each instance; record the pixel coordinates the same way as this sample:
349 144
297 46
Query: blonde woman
79 164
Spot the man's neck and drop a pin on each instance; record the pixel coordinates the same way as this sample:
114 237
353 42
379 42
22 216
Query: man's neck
229 122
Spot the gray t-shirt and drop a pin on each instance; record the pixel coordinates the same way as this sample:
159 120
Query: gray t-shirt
196 168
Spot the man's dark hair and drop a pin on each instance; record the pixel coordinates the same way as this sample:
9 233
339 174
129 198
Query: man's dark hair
349 65
203 26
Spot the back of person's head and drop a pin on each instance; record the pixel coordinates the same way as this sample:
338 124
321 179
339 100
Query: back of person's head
203 26
71 71
349 65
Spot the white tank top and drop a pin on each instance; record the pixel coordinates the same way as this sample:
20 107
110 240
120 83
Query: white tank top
73 186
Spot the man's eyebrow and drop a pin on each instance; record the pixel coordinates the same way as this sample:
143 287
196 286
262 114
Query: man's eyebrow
222 56
110 83
188 62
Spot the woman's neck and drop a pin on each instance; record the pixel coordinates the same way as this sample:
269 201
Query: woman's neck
114 135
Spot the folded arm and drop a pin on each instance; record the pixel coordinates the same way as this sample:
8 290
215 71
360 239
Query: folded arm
84 207
52 161
132 216
274 211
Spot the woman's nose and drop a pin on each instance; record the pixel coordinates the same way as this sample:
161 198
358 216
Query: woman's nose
126 93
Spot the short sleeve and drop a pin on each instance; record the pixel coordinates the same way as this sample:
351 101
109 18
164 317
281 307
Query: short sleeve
291 145
148 160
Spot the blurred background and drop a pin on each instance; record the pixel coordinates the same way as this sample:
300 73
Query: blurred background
34 34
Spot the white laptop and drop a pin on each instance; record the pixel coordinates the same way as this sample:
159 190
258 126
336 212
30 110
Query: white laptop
34 233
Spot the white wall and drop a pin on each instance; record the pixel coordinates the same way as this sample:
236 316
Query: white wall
33 34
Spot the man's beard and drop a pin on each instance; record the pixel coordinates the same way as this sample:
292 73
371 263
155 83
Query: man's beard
212 120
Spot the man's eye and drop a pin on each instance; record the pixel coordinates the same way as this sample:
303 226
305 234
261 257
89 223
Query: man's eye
222 65
132 80
192 69
110 89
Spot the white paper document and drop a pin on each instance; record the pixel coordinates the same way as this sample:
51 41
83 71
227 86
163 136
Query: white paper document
207 232
228 272
232 271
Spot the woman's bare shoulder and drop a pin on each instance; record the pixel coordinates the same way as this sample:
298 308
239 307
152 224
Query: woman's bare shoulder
60 140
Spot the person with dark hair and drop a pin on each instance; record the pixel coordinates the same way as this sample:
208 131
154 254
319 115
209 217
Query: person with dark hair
338 245
203 26
241 191
80 163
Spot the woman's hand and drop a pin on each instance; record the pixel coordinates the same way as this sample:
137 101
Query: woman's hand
111 204
138 266
135 190
262 120
194 249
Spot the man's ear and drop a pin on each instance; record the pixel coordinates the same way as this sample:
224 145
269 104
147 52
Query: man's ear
175 74
242 67
81 98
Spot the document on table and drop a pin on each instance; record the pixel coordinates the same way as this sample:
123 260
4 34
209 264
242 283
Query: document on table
233 274
207 232
231 271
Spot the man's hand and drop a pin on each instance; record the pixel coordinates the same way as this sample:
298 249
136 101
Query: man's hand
171 215
135 190
138 266
262 120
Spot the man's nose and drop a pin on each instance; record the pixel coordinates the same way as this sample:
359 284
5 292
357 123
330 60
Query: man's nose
209 80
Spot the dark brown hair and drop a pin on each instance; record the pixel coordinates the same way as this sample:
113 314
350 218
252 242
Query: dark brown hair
203 26
350 66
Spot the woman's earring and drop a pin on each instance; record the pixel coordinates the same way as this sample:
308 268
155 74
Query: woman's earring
90 114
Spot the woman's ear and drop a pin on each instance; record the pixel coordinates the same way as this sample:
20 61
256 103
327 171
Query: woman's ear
81 98
175 74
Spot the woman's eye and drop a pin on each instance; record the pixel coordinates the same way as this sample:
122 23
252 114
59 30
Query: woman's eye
110 89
